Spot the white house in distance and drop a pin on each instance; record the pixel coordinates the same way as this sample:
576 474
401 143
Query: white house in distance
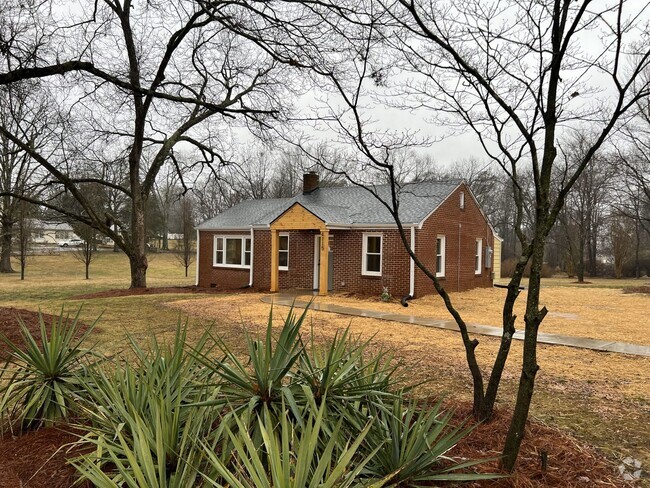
51 232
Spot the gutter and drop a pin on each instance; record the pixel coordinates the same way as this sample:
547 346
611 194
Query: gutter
250 275
196 283
412 264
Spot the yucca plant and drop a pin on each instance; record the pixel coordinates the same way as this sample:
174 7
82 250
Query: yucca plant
40 381
411 446
265 379
154 448
144 419
341 372
290 457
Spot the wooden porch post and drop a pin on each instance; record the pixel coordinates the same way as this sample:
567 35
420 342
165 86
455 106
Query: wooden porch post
275 269
324 268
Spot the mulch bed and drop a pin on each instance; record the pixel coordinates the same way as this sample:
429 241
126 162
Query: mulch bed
127 292
10 328
645 289
569 462
38 458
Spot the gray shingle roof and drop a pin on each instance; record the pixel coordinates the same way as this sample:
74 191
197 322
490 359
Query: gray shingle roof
347 205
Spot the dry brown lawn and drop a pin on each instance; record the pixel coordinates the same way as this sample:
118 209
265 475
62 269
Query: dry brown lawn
599 313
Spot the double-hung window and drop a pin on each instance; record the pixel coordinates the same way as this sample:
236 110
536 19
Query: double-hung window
283 249
232 252
371 258
478 256
440 256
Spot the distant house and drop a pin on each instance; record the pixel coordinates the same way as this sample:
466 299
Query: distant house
50 232
344 239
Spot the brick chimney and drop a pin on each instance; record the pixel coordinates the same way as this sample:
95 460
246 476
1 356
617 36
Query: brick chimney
309 182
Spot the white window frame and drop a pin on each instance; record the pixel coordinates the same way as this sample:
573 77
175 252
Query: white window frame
244 252
283 234
440 273
364 254
478 256
462 200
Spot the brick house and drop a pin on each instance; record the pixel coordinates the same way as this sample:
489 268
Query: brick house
344 239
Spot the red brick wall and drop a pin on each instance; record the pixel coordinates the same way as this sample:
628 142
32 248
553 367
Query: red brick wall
445 222
301 260
218 277
347 246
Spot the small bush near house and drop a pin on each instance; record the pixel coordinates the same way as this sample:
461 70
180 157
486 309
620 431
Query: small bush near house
385 295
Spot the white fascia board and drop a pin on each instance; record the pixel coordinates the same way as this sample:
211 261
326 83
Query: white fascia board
226 229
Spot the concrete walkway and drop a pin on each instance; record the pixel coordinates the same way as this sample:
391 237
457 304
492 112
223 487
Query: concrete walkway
543 338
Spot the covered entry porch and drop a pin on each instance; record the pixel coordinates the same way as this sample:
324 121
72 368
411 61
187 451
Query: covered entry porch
297 218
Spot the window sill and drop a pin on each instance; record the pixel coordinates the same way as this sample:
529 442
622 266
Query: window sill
230 266
367 275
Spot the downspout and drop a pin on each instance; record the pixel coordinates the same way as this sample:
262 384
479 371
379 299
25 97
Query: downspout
458 265
250 275
198 243
412 264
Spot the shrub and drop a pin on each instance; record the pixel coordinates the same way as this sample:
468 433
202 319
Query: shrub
41 382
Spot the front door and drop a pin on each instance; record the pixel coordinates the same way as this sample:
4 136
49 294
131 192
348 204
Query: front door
330 265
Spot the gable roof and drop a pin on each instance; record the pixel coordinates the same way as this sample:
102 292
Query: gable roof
340 206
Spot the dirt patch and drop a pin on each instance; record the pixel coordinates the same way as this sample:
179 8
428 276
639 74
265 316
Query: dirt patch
37 459
127 292
645 289
10 327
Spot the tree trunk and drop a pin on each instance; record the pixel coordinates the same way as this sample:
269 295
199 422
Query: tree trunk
165 237
487 407
138 254
637 267
532 320
5 249
580 265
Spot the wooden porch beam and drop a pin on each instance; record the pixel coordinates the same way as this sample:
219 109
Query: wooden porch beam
275 256
324 268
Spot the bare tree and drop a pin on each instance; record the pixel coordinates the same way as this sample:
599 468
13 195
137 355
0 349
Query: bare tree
24 214
87 252
621 238
586 205
167 192
18 174
142 106
514 73
185 251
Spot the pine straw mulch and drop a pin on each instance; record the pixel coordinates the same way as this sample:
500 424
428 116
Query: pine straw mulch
10 327
570 463
127 292
39 458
